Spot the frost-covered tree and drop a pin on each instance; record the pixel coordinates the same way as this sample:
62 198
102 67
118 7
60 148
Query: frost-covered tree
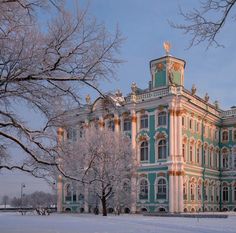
103 160
204 23
43 67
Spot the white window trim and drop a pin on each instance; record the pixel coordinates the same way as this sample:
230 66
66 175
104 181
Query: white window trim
156 189
143 200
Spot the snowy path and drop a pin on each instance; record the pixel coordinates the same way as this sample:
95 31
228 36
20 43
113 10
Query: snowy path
65 223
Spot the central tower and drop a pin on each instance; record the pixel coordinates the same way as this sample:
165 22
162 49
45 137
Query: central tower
167 70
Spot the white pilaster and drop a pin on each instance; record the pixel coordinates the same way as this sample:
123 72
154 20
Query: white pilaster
117 123
171 192
59 194
133 178
181 194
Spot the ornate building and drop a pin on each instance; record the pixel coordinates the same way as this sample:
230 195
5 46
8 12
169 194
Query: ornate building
185 145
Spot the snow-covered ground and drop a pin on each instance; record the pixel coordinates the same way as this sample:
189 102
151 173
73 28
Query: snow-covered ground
68 223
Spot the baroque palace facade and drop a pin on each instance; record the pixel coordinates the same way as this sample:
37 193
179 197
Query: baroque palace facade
185 146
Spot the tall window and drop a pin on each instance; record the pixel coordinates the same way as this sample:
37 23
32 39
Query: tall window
191 124
111 125
225 193
217 193
192 192
144 122
199 192
68 192
205 156
225 136
72 134
162 149
191 153
161 189
143 189
234 135
211 193
144 151
183 121
162 118
127 124
234 191
185 191
205 192
211 158
198 155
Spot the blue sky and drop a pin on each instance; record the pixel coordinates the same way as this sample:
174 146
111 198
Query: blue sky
144 24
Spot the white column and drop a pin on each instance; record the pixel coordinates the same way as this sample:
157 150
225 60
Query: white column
59 194
117 123
101 123
176 192
181 194
171 135
133 178
171 192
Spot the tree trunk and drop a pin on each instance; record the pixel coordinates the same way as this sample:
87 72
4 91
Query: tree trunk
104 206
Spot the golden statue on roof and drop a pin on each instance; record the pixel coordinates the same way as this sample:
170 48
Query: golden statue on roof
167 46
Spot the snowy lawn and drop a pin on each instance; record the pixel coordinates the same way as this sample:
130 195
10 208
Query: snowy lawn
69 223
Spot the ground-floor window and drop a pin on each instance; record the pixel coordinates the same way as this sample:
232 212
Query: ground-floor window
143 189
225 193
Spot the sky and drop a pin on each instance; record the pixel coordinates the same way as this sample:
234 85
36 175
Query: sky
144 25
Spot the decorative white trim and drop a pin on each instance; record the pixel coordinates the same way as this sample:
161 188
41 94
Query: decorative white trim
156 188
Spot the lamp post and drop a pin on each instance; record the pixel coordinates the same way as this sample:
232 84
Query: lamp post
21 193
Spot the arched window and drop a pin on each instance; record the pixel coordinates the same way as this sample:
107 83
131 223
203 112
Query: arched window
143 189
144 122
192 192
185 191
68 192
161 189
144 151
162 149
225 136
162 118
225 193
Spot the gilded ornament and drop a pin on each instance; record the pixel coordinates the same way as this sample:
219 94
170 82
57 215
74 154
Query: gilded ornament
167 47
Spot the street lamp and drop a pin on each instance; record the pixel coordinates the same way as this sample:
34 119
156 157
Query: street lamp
21 193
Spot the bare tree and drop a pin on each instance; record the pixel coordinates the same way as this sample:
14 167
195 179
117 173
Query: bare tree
205 23
103 160
43 69
5 200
